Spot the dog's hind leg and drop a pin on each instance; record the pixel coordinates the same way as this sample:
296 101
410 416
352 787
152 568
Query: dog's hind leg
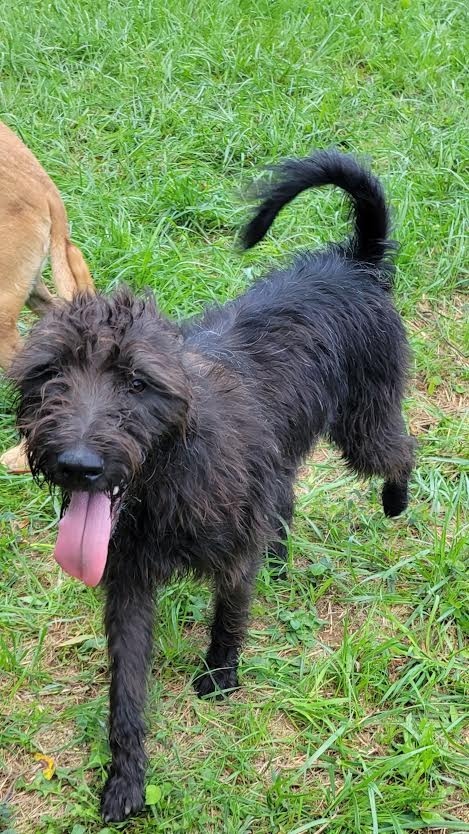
21 257
40 299
395 495
10 340
277 553
129 625
374 441
24 247
13 459
232 604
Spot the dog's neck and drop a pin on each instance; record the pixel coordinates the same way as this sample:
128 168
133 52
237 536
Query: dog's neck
216 392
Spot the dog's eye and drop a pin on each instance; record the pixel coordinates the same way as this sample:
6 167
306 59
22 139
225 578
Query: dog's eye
137 385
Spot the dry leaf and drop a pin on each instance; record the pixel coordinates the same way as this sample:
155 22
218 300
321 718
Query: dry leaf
48 763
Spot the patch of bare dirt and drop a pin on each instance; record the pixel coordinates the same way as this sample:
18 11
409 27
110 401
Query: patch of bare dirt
334 616
27 806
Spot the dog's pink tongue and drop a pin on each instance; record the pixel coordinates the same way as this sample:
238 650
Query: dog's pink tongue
84 533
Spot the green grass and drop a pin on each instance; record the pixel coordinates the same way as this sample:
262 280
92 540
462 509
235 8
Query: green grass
353 716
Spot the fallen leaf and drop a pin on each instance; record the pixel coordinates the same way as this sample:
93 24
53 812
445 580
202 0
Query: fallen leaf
75 641
48 763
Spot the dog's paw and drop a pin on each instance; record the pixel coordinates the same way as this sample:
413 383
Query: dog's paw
120 799
15 460
395 498
218 682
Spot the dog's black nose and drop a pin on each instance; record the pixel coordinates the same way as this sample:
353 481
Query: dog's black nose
80 463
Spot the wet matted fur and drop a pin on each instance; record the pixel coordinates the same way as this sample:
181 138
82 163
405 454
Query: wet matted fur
195 431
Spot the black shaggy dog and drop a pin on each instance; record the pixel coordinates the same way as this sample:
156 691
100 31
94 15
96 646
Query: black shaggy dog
176 447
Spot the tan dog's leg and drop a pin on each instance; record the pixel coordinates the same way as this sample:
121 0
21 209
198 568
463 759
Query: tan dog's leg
14 459
10 340
40 299
10 343
20 263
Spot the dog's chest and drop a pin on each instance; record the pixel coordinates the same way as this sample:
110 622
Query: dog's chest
167 537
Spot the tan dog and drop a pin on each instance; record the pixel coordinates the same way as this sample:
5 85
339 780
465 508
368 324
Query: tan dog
33 224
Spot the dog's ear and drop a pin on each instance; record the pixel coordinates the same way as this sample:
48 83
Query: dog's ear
33 363
161 373
51 339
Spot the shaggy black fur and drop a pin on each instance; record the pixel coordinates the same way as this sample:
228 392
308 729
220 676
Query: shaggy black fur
202 428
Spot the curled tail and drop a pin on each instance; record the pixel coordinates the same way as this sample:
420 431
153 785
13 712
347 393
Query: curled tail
69 269
369 242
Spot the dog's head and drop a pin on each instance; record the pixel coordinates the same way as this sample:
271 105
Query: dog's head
101 386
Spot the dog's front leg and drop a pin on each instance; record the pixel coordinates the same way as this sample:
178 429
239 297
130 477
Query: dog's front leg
129 626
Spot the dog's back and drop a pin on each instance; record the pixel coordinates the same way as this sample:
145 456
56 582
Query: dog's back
321 339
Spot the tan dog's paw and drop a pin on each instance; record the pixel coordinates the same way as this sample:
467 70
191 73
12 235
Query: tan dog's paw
15 460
